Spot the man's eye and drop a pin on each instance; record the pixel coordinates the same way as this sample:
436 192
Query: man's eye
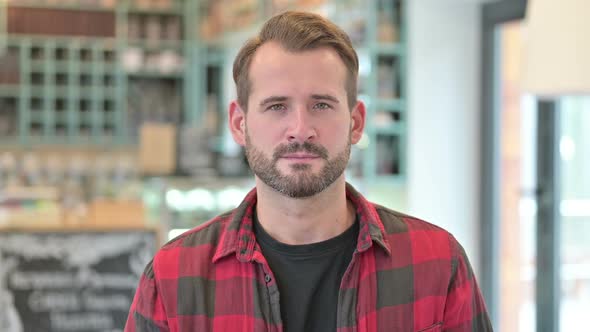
322 106
276 107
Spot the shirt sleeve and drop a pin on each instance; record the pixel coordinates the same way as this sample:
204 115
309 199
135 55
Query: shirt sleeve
147 312
465 309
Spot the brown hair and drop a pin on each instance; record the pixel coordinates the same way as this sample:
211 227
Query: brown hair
297 31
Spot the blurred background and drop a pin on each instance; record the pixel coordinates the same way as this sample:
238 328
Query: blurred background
113 118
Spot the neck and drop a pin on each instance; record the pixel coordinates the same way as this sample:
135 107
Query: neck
304 220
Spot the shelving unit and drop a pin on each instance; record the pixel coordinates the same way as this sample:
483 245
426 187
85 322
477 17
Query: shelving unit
94 80
378 32
385 155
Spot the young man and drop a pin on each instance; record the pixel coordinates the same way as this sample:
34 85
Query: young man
305 251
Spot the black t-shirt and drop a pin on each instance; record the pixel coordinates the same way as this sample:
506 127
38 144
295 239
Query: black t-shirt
308 277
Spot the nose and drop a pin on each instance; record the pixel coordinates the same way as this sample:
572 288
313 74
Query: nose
301 127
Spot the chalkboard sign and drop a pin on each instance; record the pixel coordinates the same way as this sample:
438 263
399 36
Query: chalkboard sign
78 281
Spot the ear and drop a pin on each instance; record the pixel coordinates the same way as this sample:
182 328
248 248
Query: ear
358 116
237 123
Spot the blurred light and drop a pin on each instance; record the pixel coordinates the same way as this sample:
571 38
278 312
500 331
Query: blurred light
174 199
575 208
364 142
364 64
527 207
567 148
200 199
230 198
176 232
151 198
191 200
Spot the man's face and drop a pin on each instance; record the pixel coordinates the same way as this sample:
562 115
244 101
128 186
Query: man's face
298 128
301 181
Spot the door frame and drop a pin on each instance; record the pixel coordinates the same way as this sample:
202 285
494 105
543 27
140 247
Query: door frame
547 282
493 14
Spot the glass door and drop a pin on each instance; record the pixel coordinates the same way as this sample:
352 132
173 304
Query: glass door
517 174
574 148
535 190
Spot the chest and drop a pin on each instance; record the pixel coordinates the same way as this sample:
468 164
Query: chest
373 295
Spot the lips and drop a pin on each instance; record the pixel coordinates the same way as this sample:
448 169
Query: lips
300 151
300 156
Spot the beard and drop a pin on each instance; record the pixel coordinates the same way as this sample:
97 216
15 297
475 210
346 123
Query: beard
302 183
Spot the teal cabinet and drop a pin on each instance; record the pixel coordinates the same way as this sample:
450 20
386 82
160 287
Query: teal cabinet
90 72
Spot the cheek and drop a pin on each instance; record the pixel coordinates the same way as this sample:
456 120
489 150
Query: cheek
262 135
338 133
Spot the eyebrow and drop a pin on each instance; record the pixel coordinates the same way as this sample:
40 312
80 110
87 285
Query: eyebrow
280 99
326 97
273 99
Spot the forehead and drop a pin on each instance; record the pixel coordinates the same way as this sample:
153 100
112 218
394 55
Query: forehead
274 67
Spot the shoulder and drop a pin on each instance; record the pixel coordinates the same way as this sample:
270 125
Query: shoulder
199 243
397 222
207 233
421 235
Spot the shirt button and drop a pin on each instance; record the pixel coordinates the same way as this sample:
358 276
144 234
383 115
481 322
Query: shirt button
267 278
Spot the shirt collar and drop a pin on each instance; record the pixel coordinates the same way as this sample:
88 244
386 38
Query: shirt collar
239 236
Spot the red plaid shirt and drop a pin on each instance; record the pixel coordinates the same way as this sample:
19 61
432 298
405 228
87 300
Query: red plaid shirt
405 275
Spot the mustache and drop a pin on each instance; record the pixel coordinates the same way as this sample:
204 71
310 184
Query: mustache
308 147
